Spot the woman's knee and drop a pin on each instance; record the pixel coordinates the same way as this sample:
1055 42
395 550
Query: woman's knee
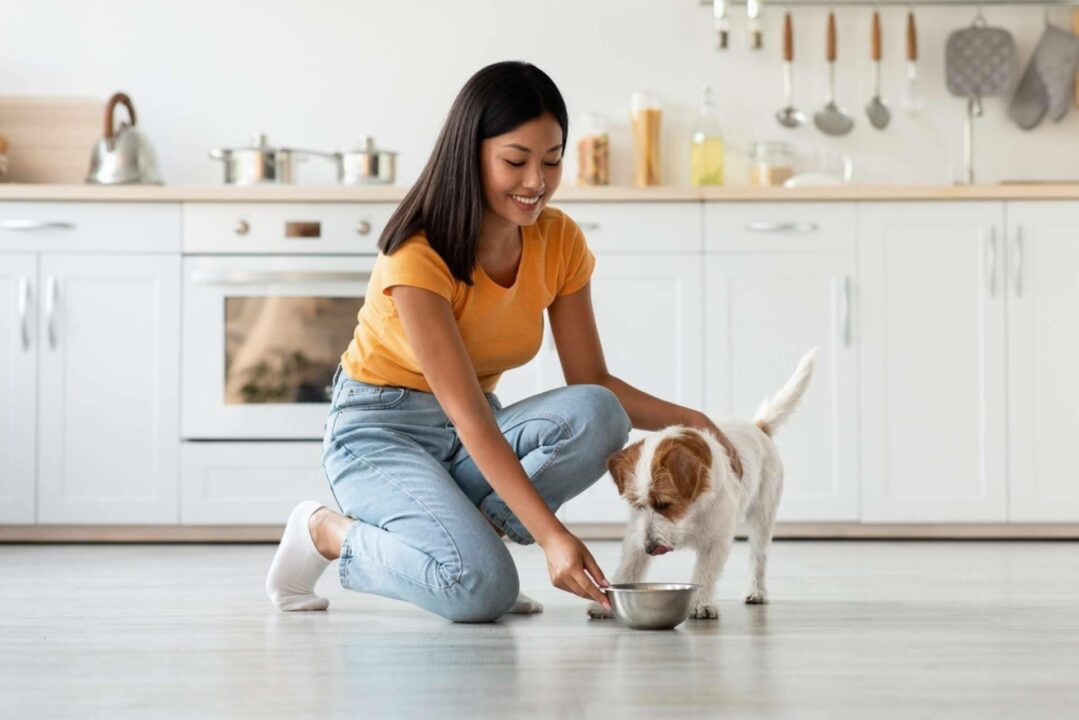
604 414
486 588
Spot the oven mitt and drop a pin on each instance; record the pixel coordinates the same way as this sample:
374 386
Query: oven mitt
1048 83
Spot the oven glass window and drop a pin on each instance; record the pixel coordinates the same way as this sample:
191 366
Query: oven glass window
285 349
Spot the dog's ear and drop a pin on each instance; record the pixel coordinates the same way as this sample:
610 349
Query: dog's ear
688 460
621 464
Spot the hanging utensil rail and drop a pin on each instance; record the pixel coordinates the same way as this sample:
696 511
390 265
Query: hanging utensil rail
906 3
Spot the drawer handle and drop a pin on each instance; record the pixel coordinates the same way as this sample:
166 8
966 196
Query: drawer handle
242 227
787 227
363 227
27 224
844 322
24 315
50 309
242 277
588 225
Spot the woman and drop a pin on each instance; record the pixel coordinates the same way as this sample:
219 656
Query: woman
427 466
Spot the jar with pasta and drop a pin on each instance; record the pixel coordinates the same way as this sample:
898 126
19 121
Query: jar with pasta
645 116
593 151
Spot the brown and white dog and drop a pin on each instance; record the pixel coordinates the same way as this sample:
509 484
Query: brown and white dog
687 489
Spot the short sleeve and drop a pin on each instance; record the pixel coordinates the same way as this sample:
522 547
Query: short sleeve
577 259
416 264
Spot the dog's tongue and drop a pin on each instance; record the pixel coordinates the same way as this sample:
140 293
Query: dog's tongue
660 550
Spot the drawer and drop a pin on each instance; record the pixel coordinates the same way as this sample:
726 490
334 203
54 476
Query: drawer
85 227
238 483
638 227
284 228
762 227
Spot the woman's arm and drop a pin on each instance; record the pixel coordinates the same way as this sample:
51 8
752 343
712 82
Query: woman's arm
432 333
573 323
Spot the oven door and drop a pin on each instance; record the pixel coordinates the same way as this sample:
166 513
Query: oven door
262 338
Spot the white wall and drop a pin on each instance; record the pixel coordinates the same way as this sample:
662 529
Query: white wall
319 73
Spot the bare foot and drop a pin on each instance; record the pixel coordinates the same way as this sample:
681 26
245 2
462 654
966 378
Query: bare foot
328 531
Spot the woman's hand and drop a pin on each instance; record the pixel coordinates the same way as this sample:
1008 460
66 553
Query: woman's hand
570 566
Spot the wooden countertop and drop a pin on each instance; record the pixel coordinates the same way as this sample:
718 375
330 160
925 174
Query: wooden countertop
567 193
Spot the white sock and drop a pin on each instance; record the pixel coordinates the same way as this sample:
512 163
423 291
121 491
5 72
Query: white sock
526 605
297 564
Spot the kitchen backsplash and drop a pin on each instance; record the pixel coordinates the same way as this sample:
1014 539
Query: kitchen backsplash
319 75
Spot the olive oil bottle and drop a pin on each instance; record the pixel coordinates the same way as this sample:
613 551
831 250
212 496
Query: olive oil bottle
706 150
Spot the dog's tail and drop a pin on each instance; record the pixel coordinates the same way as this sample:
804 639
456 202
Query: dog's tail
773 413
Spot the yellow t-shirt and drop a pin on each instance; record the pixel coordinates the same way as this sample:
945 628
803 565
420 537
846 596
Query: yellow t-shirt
502 328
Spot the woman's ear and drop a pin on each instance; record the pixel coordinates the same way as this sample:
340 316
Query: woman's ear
621 465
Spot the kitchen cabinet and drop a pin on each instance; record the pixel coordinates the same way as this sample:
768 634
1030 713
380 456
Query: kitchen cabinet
18 386
762 314
94 364
1042 289
932 337
649 314
108 421
781 279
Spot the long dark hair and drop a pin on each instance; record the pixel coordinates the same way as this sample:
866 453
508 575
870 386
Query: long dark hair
447 201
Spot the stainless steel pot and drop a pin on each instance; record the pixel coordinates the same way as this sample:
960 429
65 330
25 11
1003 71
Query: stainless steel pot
258 163
123 156
366 165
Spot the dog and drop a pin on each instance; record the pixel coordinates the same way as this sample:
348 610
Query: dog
688 489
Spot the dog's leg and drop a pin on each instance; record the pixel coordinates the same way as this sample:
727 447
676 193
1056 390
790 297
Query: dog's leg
710 561
762 521
631 568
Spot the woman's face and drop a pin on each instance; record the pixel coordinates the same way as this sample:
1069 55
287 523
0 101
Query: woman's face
521 169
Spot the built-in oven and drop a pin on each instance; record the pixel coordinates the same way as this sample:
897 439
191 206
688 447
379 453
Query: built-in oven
262 337
271 292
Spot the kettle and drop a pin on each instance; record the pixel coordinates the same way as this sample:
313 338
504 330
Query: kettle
124 156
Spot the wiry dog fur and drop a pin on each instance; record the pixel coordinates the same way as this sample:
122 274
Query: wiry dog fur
684 492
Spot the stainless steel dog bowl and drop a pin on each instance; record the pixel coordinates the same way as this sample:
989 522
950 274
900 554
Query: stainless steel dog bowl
652 606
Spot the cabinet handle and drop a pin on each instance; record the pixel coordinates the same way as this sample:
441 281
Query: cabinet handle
991 252
50 309
787 227
27 224
24 315
844 322
244 277
1019 262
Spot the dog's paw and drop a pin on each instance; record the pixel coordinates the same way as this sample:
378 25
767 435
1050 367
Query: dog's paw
703 611
598 612
756 596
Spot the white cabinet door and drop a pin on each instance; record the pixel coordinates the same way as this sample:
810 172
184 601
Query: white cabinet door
932 309
108 420
243 483
18 386
648 310
762 314
1043 343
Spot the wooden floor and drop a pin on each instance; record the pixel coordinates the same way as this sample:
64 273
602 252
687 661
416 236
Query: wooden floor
855 629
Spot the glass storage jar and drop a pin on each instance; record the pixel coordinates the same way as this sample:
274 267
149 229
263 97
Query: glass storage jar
593 151
771 163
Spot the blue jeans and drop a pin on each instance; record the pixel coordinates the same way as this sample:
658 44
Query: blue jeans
396 465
